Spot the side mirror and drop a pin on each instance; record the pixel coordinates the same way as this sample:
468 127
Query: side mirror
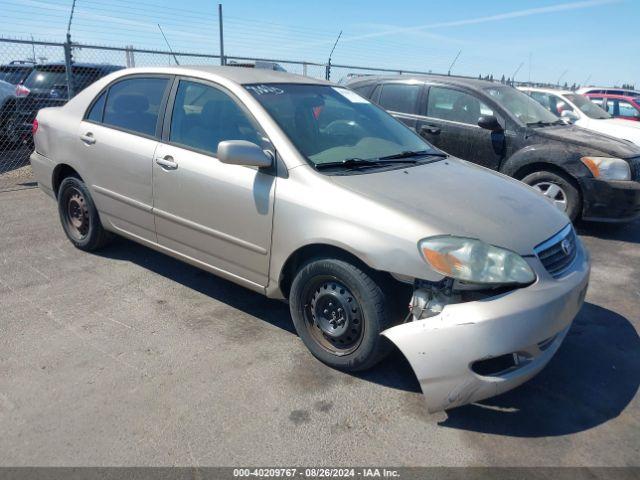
490 122
569 115
241 152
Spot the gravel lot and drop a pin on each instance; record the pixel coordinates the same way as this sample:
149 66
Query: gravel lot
129 357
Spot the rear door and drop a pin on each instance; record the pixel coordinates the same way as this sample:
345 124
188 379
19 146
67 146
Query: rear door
401 100
214 213
450 122
116 143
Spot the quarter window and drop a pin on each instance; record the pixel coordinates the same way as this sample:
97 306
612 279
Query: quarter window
95 114
399 97
455 106
134 104
204 116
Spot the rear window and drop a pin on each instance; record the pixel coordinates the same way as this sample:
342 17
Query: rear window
41 79
13 75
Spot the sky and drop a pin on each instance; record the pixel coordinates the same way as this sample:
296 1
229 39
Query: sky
574 41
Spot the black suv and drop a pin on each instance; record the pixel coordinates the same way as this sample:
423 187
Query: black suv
588 175
46 86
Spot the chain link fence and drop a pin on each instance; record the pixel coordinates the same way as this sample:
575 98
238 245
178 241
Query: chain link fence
35 75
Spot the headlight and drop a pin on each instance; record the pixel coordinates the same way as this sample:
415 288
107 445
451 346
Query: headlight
475 261
608 168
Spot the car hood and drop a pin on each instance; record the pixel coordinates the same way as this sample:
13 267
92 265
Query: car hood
456 197
571 134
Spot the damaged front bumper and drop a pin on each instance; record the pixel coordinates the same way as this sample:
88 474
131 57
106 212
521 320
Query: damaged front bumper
475 350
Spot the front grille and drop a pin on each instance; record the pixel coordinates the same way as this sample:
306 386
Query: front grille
634 165
558 253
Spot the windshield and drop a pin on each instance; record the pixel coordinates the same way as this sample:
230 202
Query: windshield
525 108
587 107
332 124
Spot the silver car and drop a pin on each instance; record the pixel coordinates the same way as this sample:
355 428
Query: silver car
303 190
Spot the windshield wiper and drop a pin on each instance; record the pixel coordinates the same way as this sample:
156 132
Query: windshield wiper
540 123
413 153
353 163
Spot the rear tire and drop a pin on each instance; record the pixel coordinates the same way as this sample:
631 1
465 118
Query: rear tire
339 311
559 188
79 217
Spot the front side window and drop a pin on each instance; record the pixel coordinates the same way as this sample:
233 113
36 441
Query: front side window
204 116
332 124
134 104
455 106
627 110
588 107
399 97
522 106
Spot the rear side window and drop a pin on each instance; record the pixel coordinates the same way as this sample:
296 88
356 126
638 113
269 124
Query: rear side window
627 110
399 97
95 114
456 106
134 104
365 90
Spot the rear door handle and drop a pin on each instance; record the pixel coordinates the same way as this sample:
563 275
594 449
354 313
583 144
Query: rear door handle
88 138
433 129
167 162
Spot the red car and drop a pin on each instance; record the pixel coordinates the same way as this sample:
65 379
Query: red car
619 106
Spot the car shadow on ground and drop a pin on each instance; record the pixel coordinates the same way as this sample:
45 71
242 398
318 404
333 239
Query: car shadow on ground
591 379
625 232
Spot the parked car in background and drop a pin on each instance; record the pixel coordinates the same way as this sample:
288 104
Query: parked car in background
618 106
7 96
581 111
297 188
46 86
256 64
16 72
609 91
586 174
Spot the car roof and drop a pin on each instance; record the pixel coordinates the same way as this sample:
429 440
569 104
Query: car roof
239 75
547 90
614 95
472 83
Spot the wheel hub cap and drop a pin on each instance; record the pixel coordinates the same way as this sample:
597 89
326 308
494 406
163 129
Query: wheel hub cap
78 214
554 192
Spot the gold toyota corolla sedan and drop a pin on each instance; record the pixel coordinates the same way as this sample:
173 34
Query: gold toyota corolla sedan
303 190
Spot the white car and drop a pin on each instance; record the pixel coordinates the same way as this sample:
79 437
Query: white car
582 112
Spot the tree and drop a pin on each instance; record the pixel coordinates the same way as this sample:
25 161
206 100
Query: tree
502 79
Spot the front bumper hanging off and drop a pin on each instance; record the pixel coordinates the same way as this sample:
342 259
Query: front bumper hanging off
528 324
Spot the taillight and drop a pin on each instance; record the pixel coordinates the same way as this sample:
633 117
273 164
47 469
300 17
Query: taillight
34 126
22 91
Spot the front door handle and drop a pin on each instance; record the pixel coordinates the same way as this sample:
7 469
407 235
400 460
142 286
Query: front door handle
432 129
167 162
88 138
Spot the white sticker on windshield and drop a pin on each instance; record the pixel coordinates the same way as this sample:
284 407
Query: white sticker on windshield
353 97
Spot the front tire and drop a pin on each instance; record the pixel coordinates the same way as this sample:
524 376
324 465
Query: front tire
339 311
559 189
79 216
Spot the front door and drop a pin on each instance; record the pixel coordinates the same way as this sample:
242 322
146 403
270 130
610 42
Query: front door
214 213
451 124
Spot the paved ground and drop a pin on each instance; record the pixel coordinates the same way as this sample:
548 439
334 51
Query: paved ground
131 358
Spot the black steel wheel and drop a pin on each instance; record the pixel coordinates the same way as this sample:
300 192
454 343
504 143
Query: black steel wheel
339 310
79 216
333 315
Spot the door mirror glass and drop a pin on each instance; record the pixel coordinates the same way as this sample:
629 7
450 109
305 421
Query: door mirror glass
490 122
241 152
569 115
